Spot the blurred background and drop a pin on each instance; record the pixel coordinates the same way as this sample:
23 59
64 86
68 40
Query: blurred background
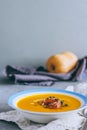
33 30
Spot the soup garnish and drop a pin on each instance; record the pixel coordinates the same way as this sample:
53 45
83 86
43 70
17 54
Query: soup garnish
52 103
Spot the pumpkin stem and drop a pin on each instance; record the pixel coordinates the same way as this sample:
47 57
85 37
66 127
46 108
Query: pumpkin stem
52 67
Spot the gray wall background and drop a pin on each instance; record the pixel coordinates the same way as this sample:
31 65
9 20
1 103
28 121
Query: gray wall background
33 30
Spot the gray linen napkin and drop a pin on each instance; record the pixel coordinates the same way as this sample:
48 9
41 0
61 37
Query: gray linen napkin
75 122
41 77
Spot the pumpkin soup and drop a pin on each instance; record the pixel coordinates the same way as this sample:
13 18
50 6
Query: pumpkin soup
48 102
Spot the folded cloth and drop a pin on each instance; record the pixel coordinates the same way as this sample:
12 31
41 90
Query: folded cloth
40 76
74 122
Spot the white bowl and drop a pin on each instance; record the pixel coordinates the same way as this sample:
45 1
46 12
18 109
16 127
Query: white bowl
45 117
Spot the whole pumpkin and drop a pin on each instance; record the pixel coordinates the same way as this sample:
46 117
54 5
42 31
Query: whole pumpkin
61 63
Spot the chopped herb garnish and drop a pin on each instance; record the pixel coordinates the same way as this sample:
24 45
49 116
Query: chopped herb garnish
52 103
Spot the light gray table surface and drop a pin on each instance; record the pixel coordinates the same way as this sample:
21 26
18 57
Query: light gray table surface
7 89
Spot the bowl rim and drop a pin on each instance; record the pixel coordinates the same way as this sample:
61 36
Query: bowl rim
79 96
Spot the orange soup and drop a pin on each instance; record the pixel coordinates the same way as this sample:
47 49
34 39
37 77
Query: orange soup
30 103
